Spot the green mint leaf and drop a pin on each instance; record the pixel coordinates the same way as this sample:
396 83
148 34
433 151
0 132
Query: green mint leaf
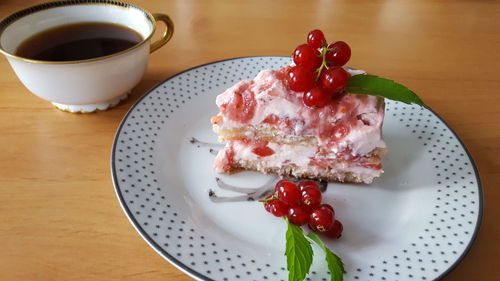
335 264
376 86
299 254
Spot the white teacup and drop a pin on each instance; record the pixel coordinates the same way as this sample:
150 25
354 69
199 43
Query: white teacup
82 85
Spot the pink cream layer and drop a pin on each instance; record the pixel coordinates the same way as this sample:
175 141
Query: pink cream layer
349 123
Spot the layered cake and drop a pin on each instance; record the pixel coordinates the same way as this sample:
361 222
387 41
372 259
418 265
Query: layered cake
268 128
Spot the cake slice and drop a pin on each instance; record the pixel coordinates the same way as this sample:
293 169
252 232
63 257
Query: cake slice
267 128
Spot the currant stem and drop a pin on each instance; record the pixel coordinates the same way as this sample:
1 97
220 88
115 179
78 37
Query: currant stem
323 65
268 199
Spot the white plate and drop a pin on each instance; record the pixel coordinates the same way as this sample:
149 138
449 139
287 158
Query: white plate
416 222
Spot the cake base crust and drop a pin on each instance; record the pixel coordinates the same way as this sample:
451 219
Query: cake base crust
301 173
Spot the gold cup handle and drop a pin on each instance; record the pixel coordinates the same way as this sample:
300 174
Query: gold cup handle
167 34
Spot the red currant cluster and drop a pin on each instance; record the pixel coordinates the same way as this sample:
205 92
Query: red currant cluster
318 71
302 204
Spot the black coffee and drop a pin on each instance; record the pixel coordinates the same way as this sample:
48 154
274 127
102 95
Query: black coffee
78 42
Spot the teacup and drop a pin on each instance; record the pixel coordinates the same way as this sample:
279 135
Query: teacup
89 84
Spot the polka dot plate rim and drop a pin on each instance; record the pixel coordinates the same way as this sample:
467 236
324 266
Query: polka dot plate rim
416 222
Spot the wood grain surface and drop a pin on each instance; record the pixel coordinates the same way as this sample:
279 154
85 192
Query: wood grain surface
59 216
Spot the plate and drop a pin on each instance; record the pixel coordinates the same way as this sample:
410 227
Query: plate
415 222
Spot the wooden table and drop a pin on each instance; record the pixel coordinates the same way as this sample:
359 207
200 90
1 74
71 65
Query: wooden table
59 216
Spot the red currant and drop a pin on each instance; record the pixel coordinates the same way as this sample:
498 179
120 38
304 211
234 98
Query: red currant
327 206
336 230
281 183
266 201
311 197
307 56
316 38
316 97
321 220
300 79
308 183
288 192
276 207
334 79
340 55
298 215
